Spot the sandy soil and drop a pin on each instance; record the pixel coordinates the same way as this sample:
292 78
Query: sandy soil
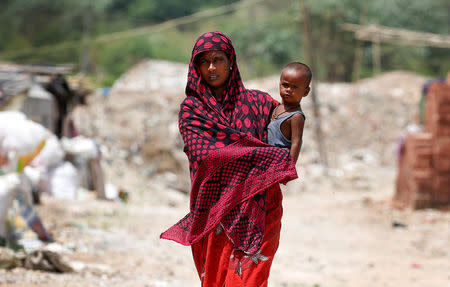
330 237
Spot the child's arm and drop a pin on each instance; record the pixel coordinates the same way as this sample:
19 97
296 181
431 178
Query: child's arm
297 124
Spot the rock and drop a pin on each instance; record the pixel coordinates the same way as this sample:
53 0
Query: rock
46 260
8 259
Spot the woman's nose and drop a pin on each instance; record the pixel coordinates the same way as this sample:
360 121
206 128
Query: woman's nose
211 66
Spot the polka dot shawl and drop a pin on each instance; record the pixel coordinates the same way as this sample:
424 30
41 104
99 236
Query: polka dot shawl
230 165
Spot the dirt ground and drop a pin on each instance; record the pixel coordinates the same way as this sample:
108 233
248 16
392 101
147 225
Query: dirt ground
339 227
330 237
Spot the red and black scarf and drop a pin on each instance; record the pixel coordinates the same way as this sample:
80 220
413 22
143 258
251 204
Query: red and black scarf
230 165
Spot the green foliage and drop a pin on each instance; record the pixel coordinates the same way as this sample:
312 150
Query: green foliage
266 36
427 16
173 45
117 57
152 11
264 42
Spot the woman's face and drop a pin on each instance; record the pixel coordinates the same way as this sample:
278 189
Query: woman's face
214 68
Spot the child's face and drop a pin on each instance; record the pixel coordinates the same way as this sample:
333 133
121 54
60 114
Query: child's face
293 86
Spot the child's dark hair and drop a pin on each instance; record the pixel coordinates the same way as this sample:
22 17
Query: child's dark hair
300 67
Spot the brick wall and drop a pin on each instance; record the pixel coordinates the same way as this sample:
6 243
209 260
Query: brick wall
423 178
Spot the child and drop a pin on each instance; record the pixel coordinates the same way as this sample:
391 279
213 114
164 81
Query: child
286 126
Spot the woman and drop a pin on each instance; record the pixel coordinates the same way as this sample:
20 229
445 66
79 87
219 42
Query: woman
235 206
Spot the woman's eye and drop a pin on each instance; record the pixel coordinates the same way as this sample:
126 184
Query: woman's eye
219 60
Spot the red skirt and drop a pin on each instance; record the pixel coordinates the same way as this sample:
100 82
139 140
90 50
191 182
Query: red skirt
218 264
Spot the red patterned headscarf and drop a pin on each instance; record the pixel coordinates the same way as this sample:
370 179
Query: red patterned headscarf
231 167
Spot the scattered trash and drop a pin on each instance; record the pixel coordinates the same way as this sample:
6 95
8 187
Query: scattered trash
22 217
398 224
30 244
105 91
124 195
51 155
46 260
20 140
77 266
8 259
111 191
80 146
64 181
8 183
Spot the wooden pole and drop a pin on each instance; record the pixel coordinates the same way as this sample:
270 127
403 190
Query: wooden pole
357 61
359 45
376 55
397 36
308 46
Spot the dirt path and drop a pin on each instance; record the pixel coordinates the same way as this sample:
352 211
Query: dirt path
346 239
330 237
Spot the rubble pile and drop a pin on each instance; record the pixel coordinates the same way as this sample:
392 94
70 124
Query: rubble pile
136 123
424 169
34 162
44 260
41 153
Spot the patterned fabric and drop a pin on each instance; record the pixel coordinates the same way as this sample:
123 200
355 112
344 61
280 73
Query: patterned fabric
230 165
218 264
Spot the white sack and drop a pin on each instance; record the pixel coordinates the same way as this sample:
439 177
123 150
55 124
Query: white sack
64 181
8 184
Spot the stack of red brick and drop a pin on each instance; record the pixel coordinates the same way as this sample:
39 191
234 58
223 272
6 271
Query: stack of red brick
423 178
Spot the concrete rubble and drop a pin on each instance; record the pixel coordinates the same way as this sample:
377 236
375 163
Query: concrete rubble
41 153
